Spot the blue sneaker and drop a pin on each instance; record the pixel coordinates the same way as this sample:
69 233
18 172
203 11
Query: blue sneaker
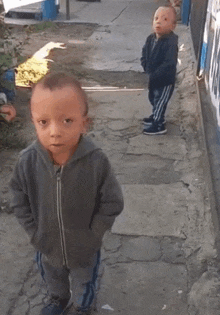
147 121
55 306
155 129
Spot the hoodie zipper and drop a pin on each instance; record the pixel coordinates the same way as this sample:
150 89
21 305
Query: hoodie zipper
60 217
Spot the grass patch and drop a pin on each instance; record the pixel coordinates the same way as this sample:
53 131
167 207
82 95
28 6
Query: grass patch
35 28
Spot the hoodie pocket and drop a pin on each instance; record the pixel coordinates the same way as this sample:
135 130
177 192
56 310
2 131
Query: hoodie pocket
81 245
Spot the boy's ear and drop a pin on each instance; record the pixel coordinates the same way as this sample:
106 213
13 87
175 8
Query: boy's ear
87 122
29 112
31 117
174 26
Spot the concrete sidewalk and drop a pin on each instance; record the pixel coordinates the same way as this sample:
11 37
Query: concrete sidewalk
159 256
156 259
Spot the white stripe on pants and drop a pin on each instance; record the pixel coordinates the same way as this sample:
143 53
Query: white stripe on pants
159 99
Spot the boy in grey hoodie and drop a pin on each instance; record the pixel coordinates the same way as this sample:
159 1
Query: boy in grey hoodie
65 194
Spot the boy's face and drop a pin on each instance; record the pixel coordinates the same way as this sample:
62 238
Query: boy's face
164 21
59 119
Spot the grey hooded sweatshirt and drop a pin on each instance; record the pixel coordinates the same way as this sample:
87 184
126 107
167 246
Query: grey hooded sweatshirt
66 210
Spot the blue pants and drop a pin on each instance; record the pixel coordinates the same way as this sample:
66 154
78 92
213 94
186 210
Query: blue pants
80 281
159 99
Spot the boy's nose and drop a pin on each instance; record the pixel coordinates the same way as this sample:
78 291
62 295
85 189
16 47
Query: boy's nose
55 130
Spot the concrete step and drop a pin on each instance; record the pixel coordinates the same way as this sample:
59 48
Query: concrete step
32 11
23 13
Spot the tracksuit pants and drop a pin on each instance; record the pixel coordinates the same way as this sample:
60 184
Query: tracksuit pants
80 281
159 99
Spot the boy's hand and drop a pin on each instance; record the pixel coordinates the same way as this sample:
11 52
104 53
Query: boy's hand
8 112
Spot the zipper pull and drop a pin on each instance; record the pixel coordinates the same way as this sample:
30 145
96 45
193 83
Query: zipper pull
59 173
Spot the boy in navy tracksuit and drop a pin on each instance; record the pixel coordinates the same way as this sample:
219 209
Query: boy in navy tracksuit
159 59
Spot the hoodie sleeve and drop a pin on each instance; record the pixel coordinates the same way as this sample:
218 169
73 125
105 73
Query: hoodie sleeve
20 201
144 56
110 200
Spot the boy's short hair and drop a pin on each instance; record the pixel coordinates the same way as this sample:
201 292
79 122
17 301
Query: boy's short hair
59 80
169 6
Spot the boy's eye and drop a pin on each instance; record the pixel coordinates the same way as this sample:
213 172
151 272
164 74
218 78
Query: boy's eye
68 120
42 122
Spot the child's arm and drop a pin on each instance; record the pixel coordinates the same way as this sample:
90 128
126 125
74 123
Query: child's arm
20 202
145 53
143 58
109 202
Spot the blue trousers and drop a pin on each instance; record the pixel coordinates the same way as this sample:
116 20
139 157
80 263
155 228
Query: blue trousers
159 99
81 282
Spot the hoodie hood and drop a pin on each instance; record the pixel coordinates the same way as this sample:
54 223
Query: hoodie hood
85 147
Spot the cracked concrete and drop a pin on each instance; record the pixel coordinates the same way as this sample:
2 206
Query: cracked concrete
140 219
165 284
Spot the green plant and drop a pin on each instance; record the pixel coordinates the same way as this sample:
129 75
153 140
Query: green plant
41 27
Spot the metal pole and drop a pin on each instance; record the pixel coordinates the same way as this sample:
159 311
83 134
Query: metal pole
68 9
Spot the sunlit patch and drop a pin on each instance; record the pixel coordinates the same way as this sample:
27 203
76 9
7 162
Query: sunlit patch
99 88
75 41
36 67
218 18
182 48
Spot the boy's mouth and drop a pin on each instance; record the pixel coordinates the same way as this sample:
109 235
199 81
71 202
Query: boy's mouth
56 145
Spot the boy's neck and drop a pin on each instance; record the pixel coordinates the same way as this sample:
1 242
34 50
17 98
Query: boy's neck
62 158
159 36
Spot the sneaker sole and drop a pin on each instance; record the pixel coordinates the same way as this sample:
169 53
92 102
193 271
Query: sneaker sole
150 123
155 133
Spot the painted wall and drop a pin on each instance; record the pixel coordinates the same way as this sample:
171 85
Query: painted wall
210 58
8 5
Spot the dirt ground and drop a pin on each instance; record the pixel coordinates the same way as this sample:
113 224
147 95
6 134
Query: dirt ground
78 47
18 134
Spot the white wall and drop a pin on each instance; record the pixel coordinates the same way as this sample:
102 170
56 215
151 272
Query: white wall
11 4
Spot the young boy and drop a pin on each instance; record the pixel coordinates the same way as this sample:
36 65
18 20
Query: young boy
159 59
65 194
